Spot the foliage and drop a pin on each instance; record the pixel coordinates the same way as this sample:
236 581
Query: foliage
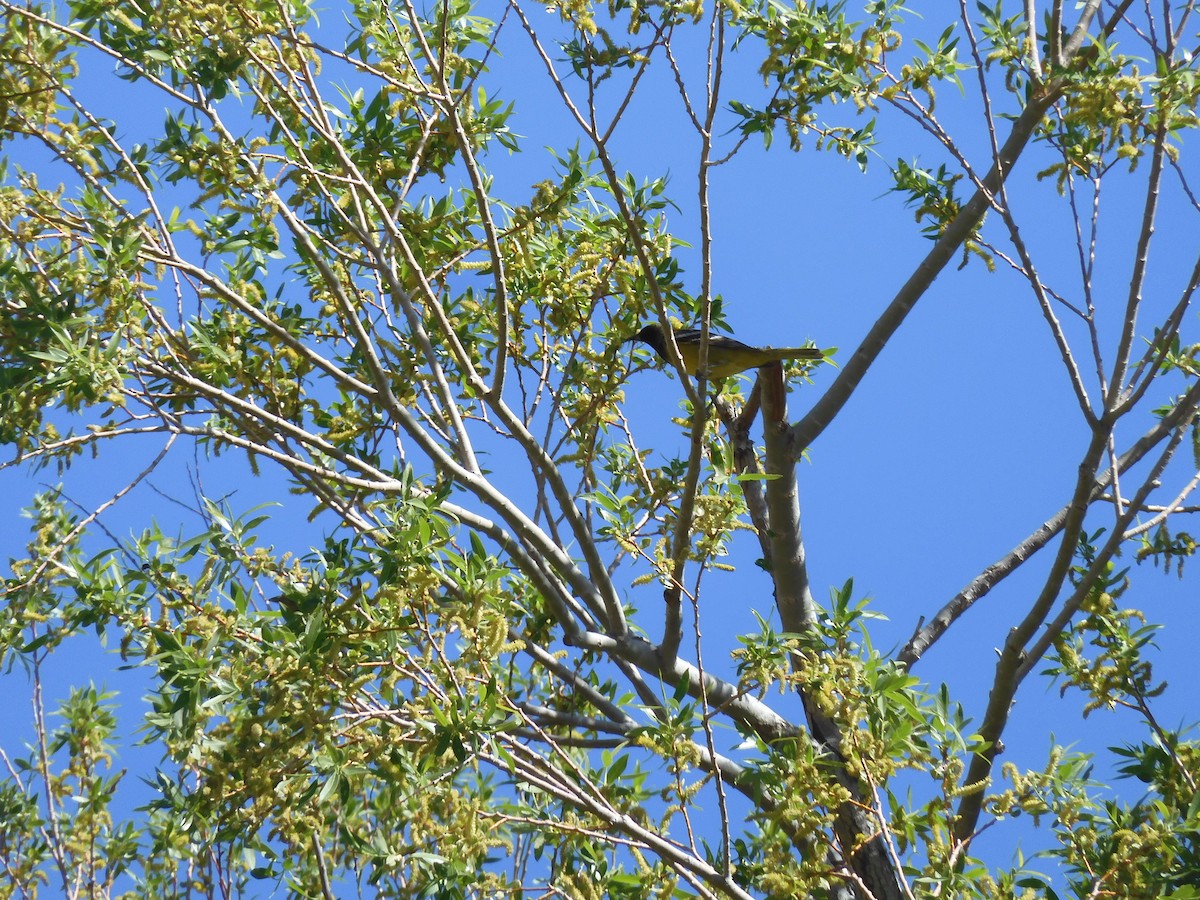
286 245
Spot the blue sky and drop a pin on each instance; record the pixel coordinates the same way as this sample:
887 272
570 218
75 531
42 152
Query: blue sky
962 439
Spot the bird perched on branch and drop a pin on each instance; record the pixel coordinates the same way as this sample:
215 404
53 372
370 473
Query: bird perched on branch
725 355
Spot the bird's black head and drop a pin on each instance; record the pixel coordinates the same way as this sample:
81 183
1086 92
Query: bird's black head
652 336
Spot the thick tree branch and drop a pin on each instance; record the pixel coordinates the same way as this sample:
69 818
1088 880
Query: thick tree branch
1016 661
809 428
789 571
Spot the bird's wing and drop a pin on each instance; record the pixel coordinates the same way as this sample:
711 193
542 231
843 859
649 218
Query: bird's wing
692 336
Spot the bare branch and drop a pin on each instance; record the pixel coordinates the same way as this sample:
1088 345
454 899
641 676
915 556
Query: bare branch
927 634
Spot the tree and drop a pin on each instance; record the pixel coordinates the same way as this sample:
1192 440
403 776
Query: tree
315 265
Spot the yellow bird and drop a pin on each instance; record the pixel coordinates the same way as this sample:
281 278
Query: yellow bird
725 355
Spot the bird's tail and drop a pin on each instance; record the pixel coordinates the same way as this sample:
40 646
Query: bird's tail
781 353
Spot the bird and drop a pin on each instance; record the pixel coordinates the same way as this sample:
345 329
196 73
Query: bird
726 356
